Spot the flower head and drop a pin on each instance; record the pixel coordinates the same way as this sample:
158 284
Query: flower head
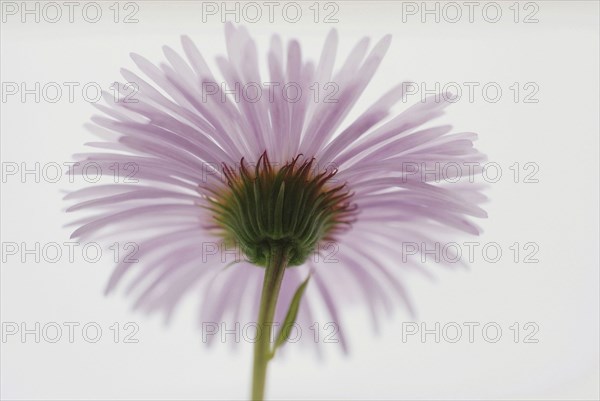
219 171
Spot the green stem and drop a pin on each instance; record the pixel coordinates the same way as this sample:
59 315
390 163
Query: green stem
277 262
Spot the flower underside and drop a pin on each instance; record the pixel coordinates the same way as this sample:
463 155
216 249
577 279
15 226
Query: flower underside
292 207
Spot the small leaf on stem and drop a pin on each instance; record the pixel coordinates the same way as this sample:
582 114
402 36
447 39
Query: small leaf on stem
290 317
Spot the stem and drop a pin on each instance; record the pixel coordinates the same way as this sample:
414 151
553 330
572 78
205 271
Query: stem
277 262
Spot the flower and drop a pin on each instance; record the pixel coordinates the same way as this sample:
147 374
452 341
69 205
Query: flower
216 171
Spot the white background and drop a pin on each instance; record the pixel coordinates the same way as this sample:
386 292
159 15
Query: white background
559 213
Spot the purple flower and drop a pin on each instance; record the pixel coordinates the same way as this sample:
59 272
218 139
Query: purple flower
208 168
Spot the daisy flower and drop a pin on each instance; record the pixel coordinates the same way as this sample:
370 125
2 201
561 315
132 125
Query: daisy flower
241 193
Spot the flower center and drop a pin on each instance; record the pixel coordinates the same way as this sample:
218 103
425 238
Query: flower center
293 207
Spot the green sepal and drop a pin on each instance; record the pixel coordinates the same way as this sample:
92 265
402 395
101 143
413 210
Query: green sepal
293 206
